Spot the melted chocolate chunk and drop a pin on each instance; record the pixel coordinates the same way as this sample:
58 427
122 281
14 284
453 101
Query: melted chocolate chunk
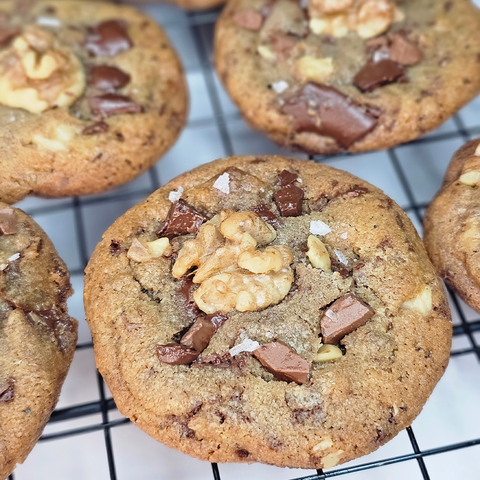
113 104
7 34
105 77
286 178
265 214
404 51
289 201
7 391
182 219
343 317
8 221
283 362
95 129
326 111
198 336
174 354
376 74
186 290
108 38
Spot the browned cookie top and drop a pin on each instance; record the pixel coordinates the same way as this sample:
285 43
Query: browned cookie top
91 94
267 309
452 225
37 336
353 75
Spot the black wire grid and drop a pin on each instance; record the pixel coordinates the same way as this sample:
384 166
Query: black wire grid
201 28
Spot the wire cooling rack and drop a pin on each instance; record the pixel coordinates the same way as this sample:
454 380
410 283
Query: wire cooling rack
410 173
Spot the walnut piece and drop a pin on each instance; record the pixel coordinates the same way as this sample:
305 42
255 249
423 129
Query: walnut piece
141 251
422 303
368 18
37 74
231 271
318 254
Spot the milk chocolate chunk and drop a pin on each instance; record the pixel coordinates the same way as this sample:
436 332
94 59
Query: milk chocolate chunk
343 317
7 391
289 201
283 362
108 39
105 77
286 178
376 74
198 336
8 221
7 34
96 128
404 51
182 219
326 111
175 354
265 214
113 104
217 319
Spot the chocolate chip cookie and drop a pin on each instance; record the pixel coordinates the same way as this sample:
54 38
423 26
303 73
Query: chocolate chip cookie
352 75
267 309
37 336
91 95
452 225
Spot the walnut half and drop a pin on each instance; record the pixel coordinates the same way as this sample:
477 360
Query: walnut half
232 272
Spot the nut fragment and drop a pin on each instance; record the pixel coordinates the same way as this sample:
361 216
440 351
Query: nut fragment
318 254
231 272
141 251
315 69
477 151
37 74
159 248
422 303
471 178
59 140
332 459
328 352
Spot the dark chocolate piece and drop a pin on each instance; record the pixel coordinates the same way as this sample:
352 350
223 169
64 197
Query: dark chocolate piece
113 104
96 128
404 51
343 317
376 74
289 201
283 362
217 319
175 354
326 111
182 219
7 391
105 77
286 178
265 214
8 221
199 335
7 34
108 38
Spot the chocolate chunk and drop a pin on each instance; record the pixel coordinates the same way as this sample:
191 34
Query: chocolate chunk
249 19
403 51
375 74
283 362
186 291
174 354
326 111
96 128
105 77
286 178
7 34
8 221
265 214
113 104
289 201
199 335
217 319
343 317
7 391
182 219
108 38
220 361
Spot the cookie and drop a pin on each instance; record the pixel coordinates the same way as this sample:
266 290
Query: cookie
91 95
267 309
451 224
37 336
326 77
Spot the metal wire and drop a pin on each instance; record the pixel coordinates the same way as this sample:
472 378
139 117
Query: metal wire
197 24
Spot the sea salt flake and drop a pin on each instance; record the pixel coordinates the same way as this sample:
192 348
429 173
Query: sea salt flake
280 86
477 151
14 257
341 257
3 266
48 21
344 235
175 195
317 227
246 346
299 180
222 183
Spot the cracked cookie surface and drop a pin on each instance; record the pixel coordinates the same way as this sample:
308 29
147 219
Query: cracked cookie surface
355 75
91 95
37 336
328 370
452 225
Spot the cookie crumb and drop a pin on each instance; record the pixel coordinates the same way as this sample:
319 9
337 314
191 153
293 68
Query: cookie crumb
222 183
175 195
246 346
317 227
